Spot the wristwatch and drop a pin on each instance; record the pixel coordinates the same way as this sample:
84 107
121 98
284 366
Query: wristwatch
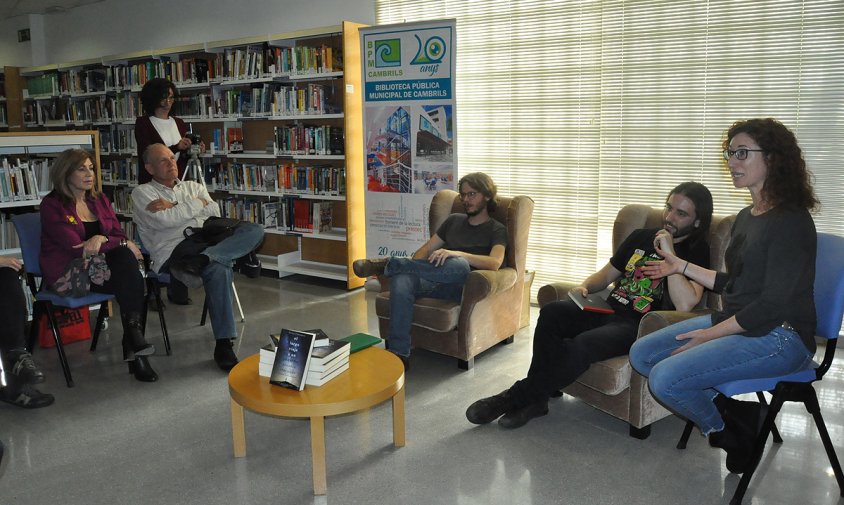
124 242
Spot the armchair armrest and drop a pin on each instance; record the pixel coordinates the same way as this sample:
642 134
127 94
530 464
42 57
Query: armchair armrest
553 292
482 283
659 319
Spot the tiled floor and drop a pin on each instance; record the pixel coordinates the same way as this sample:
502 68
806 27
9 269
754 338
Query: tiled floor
113 440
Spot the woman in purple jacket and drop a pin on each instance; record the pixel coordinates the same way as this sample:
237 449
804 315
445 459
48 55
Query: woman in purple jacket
77 221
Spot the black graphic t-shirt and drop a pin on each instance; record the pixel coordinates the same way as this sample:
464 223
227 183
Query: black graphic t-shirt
636 294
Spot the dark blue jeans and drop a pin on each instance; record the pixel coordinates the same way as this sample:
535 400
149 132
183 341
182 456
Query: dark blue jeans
411 279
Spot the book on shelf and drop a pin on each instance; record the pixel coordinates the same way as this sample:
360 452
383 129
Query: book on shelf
323 216
234 136
292 358
360 341
592 303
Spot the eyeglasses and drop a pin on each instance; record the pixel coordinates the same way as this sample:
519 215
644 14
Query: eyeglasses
169 99
470 194
740 154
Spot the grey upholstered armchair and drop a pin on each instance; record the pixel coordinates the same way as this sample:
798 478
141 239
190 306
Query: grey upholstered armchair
490 311
611 385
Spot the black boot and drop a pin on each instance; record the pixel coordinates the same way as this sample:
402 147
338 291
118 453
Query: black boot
142 370
133 337
224 354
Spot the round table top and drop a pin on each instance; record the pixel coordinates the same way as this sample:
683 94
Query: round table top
374 375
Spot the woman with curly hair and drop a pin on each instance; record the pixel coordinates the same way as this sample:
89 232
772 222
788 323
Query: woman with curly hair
767 325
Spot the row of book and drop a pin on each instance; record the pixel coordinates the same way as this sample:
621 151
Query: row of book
117 140
123 171
121 201
294 215
294 359
286 178
29 180
301 139
250 62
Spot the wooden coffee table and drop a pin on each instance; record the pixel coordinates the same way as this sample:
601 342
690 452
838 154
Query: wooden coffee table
374 376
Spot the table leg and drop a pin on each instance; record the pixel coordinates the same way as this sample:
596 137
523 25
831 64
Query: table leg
238 430
398 418
318 454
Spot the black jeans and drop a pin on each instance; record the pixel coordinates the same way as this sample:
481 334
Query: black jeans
126 282
567 340
12 311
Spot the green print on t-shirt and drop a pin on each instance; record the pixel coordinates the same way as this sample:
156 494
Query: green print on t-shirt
634 287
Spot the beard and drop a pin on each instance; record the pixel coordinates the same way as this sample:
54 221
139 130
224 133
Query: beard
680 232
478 210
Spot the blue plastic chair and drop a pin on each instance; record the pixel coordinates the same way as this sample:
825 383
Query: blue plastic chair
28 227
797 387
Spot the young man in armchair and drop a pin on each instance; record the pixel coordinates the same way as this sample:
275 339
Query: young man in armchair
439 268
567 339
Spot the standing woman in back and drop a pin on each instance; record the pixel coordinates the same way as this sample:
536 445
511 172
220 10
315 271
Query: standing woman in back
78 221
767 326
157 126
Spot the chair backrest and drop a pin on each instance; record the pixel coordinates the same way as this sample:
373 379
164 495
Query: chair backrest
829 285
633 217
513 212
28 227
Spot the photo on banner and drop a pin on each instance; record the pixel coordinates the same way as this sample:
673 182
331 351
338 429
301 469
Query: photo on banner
410 140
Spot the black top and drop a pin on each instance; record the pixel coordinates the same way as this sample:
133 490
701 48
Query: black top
770 274
459 235
634 294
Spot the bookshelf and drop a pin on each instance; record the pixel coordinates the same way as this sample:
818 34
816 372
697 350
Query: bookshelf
297 83
25 160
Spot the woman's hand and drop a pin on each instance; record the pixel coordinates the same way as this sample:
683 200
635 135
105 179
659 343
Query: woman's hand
183 144
9 262
92 246
693 338
135 250
670 264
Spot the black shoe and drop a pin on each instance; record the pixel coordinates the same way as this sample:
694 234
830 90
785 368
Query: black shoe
189 270
26 396
224 354
368 268
142 370
520 417
487 410
24 368
249 265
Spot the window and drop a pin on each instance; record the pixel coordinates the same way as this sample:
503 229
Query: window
587 106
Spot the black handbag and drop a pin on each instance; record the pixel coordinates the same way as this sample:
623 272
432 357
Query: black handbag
214 230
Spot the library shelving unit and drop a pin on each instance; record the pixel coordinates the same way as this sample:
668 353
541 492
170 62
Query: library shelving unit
256 92
25 159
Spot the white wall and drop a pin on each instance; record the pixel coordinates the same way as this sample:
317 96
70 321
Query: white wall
121 26
12 52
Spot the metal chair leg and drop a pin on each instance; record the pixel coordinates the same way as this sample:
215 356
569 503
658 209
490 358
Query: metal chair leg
54 327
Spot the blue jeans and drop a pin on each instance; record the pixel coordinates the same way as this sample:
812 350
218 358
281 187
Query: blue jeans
411 279
685 382
217 276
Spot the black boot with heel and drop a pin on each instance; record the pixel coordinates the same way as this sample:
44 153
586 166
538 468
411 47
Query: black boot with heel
133 336
142 370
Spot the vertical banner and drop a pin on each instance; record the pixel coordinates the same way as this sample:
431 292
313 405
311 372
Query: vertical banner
410 139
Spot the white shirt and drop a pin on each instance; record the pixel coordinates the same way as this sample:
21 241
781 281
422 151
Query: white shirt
161 231
167 130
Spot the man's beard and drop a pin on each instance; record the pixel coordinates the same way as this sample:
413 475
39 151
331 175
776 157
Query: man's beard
681 233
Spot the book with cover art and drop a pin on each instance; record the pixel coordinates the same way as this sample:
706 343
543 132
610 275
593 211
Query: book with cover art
592 303
292 358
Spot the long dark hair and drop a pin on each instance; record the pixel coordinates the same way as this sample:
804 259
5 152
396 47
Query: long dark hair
788 181
702 198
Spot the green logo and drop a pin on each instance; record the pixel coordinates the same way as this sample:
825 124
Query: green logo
387 53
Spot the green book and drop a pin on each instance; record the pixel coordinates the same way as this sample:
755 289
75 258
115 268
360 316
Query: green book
360 341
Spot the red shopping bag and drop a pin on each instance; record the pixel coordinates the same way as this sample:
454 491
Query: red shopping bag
74 325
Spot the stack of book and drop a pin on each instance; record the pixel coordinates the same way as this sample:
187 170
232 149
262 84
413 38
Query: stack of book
308 355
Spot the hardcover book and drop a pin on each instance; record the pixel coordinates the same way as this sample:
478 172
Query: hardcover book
360 341
292 359
592 303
